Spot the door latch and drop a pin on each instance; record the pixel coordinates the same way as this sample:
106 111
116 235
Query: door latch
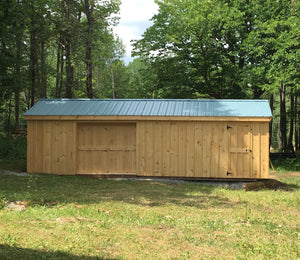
229 173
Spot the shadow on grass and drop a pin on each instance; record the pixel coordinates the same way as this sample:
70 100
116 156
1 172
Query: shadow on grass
49 191
12 252
294 186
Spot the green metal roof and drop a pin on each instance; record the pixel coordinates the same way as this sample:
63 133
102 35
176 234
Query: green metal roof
151 107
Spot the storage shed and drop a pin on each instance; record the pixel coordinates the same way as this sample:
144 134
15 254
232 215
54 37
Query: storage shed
196 139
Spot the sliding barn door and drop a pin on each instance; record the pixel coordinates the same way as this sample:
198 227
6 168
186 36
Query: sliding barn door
240 150
107 148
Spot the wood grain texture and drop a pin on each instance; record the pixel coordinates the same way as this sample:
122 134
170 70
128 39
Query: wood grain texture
195 149
106 148
264 130
50 147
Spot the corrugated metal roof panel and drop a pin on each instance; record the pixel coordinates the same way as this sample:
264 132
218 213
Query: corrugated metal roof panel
152 107
165 108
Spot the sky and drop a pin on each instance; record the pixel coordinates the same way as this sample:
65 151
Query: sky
134 20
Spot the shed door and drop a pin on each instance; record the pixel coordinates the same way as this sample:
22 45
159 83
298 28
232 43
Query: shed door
106 148
240 150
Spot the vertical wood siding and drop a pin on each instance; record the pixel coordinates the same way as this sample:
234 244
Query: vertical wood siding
51 147
150 148
203 149
106 148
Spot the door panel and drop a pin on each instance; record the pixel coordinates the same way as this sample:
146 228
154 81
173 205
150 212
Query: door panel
106 148
240 150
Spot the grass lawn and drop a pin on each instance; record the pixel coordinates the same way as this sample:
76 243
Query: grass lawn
70 217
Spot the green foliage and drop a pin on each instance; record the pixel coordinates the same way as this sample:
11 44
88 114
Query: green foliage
231 49
3 201
288 164
143 80
13 148
43 49
13 165
194 49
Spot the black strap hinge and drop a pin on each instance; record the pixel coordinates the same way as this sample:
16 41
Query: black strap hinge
229 173
228 127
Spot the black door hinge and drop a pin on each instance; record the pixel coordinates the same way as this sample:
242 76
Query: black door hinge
229 173
228 127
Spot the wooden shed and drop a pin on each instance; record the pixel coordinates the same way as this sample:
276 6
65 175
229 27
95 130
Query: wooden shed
197 139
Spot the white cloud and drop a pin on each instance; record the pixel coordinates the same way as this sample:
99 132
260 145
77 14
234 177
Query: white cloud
137 10
135 16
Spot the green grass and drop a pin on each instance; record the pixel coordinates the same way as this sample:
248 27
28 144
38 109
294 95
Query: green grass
70 217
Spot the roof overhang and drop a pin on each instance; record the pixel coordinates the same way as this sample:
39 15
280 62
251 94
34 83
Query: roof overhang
149 118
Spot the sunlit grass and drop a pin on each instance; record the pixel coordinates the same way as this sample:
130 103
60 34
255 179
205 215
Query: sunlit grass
68 217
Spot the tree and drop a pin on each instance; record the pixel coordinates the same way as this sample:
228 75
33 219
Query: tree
227 49
202 41
44 47
281 34
89 9
142 79
12 60
97 14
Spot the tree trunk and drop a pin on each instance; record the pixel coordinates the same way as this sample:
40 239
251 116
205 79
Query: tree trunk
298 131
33 61
9 117
112 81
61 73
271 122
296 125
69 67
43 93
257 92
98 83
18 82
291 134
57 71
89 65
279 138
282 128
17 108
69 71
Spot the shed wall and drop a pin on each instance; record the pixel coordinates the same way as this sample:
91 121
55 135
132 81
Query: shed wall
51 147
163 148
203 149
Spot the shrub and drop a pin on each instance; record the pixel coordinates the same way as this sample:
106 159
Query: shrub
14 149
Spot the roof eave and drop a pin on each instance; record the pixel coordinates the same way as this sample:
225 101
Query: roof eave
146 118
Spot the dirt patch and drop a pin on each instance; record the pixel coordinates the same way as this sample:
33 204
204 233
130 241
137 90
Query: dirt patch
270 184
72 219
289 174
21 174
46 203
16 205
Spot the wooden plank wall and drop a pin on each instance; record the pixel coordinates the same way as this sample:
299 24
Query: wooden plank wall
148 148
108 148
201 149
51 147
260 142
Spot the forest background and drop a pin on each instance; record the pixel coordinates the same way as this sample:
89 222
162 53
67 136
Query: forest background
235 49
